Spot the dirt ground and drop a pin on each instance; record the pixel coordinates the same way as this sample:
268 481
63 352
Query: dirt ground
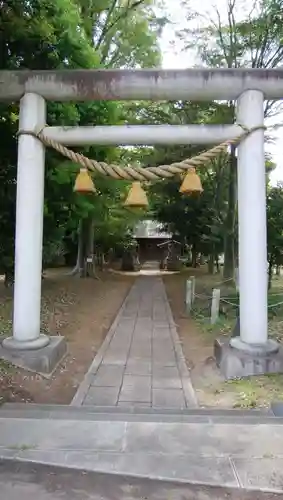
82 310
197 337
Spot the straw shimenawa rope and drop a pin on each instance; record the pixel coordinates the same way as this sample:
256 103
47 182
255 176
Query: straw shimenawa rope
136 173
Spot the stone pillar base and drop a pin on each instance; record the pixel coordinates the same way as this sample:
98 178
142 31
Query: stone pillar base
270 347
238 363
29 345
42 360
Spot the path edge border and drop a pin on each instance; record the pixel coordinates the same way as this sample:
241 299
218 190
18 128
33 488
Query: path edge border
84 386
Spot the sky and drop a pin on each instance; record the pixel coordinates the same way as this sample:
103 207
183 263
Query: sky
174 58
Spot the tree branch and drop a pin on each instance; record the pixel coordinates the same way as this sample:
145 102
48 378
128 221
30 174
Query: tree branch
108 26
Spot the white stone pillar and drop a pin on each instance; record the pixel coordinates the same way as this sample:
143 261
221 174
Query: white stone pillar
252 229
29 229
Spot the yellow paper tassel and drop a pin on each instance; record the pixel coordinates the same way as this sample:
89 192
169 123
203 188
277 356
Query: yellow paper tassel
136 196
191 182
84 183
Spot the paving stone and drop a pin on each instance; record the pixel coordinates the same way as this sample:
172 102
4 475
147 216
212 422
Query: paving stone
125 328
143 325
126 323
142 353
141 347
136 404
160 324
163 353
144 322
144 349
140 342
144 359
137 394
137 380
121 335
118 353
164 340
163 344
144 343
138 367
168 398
167 383
159 336
161 371
102 396
166 362
113 360
108 376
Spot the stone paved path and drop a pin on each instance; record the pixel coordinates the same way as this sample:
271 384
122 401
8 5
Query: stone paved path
140 363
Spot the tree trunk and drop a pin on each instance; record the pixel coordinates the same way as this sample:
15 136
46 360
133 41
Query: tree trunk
85 265
80 259
277 270
211 261
229 241
100 260
270 269
9 278
217 263
88 246
194 256
202 259
78 269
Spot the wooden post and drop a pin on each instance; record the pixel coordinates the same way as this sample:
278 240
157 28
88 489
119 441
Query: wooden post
188 296
215 305
193 280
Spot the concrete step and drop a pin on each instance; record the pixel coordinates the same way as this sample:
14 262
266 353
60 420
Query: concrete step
219 451
28 481
138 414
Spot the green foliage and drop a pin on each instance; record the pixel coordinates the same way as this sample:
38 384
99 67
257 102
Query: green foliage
55 34
124 34
238 35
196 220
275 225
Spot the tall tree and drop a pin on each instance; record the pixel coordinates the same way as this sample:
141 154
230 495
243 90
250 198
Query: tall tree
243 37
123 33
43 35
197 221
71 34
274 228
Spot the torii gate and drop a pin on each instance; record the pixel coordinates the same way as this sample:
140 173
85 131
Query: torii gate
252 352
